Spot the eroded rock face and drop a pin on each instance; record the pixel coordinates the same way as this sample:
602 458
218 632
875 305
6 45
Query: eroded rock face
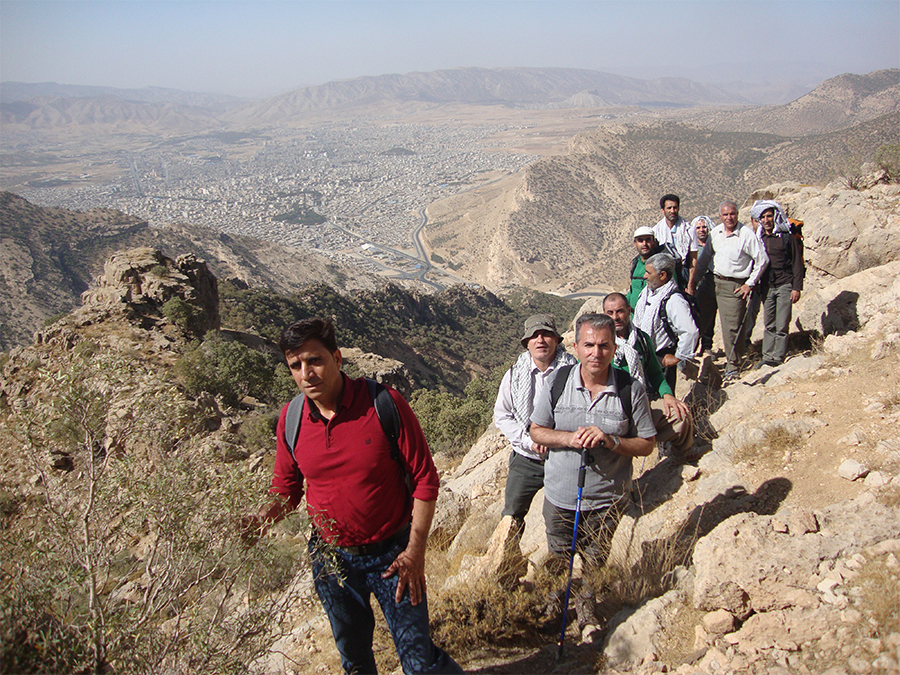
387 371
137 283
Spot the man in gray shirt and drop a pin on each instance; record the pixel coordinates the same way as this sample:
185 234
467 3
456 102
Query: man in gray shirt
589 414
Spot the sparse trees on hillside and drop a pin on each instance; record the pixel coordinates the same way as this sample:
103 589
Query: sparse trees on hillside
126 556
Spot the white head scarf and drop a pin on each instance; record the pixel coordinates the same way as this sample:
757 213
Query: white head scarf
781 222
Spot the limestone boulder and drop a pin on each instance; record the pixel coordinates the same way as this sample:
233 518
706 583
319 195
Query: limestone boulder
850 303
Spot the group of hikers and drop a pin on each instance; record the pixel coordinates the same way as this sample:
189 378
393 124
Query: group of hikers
355 449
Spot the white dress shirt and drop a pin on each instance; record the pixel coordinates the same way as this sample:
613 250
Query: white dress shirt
682 237
647 318
738 255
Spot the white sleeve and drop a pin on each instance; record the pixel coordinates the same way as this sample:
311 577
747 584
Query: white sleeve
679 313
505 420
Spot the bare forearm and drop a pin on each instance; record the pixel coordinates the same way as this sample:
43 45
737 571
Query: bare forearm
551 438
422 515
635 447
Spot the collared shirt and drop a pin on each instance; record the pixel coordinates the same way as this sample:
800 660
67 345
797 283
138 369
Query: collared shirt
647 318
504 408
738 255
608 476
355 489
682 237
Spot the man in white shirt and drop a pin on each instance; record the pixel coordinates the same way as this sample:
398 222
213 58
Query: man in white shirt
519 389
676 235
738 260
663 313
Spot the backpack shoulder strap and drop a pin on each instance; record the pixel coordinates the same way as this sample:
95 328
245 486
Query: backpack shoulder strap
623 385
664 316
559 383
388 415
292 422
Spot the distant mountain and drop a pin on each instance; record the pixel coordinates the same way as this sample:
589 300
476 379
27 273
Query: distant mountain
49 256
565 222
837 103
103 114
12 92
514 87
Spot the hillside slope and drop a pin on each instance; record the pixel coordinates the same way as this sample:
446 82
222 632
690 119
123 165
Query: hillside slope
49 256
565 223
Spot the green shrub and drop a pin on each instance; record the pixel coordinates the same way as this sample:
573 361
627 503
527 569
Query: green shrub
226 369
182 314
887 157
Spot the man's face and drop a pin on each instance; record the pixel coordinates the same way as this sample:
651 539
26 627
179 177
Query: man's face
653 277
595 349
644 244
670 211
542 346
702 231
767 220
316 370
619 311
729 216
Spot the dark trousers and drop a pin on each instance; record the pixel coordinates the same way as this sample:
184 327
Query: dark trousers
525 478
345 583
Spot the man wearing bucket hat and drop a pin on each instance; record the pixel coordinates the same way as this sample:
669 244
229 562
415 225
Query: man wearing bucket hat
519 389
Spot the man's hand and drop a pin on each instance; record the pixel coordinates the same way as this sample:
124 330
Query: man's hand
541 450
795 296
673 406
669 360
587 437
744 291
251 528
410 568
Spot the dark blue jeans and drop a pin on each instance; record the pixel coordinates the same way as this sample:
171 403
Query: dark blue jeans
345 583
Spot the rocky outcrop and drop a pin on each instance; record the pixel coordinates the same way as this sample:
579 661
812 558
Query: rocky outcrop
389 372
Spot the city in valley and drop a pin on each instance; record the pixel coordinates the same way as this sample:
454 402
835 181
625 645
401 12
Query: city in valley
353 191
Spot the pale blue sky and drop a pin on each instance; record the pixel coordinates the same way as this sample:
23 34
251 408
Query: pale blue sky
262 47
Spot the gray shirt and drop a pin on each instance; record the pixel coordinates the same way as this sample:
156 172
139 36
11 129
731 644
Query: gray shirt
609 474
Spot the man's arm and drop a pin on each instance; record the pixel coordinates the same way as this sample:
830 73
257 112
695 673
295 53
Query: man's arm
410 564
592 437
505 419
755 249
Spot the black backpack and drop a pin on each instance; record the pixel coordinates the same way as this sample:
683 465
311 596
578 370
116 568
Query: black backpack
664 316
385 408
623 384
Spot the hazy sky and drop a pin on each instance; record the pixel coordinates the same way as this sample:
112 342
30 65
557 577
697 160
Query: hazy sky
262 47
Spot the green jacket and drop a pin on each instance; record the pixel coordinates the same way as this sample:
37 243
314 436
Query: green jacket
657 387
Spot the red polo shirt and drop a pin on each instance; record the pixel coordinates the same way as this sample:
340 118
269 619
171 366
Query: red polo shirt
355 490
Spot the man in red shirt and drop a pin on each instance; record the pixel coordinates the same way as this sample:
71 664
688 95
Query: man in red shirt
369 531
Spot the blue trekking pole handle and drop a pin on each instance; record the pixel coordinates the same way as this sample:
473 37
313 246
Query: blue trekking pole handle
582 472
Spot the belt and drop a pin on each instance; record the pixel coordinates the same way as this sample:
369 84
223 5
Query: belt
378 547
732 279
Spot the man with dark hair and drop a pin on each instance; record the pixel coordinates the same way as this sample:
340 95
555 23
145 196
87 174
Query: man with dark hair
739 260
664 313
646 245
674 234
369 529
519 389
636 354
590 413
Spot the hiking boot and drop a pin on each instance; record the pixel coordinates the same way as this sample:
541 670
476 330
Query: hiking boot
584 606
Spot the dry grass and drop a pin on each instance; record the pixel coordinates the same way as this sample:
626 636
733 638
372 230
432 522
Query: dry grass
676 640
777 441
879 581
889 496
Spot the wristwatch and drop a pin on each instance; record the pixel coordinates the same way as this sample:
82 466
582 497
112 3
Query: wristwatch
616 442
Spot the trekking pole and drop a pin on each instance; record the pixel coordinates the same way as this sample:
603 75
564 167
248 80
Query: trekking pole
582 470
